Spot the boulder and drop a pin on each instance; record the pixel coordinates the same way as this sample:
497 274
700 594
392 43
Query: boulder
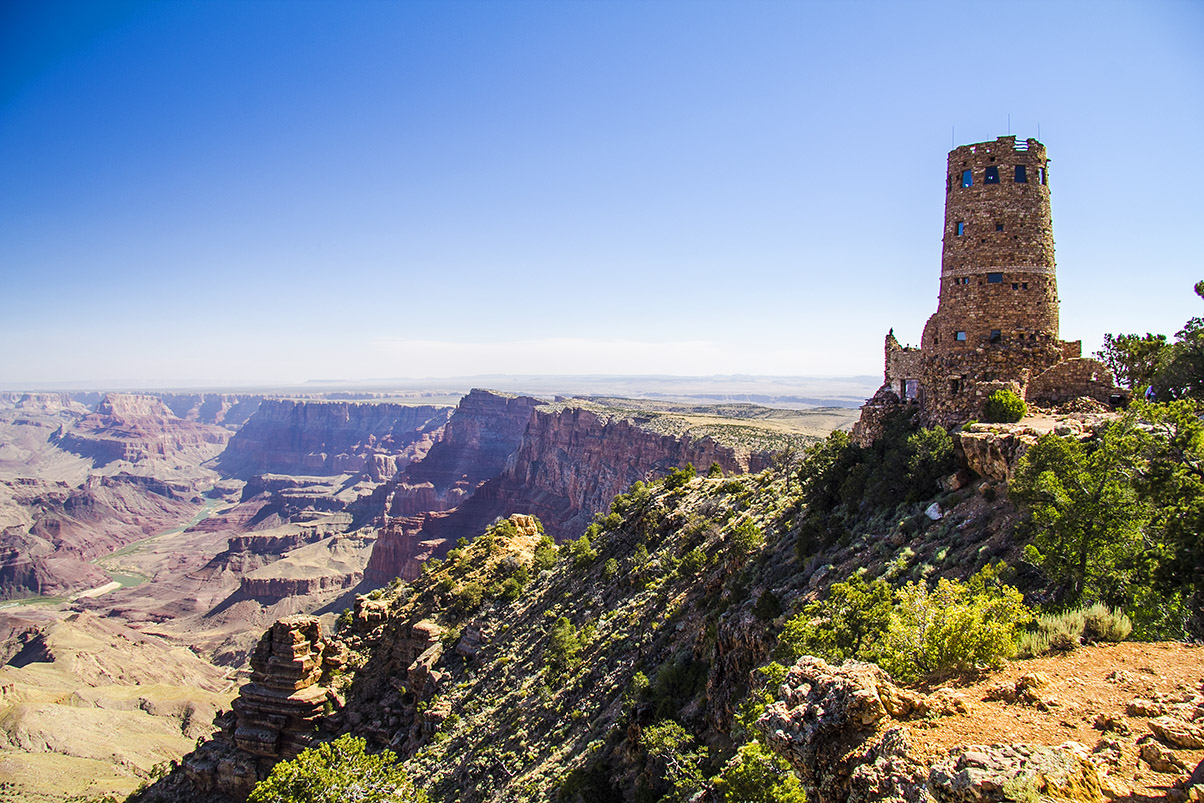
831 727
1178 733
1160 759
1013 773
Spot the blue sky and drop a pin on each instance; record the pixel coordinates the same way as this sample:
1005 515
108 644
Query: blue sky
263 192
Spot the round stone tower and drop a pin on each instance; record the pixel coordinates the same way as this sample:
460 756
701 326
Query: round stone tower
996 322
998 286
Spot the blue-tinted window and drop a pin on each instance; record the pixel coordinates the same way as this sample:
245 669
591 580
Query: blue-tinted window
998 227
992 176
967 178
960 336
996 335
961 228
1021 175
1041 174
994 278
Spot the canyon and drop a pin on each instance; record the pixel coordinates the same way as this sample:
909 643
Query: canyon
201 519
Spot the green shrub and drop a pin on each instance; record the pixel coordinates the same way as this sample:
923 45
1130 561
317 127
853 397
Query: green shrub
850 623
639 557
545 554
768 606
1003 406
610 569
583 554
746 539
674 747
342 771
467 598
562 649
692 562
1102 623
954 626
677 684
679 477
1064 631
758 775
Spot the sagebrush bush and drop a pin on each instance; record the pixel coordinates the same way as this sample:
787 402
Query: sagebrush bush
1102 623
1064 631
1003 406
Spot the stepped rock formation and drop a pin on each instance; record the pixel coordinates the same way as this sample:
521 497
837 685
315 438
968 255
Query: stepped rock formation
324 438
137 429
274 715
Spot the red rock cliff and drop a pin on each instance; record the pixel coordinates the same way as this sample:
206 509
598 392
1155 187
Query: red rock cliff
570 463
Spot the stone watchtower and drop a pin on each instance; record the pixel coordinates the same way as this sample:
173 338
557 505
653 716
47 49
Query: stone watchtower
996 323
998 285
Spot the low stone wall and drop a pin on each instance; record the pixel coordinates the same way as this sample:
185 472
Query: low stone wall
1071 380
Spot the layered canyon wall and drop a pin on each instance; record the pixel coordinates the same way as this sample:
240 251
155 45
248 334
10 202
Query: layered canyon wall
324 438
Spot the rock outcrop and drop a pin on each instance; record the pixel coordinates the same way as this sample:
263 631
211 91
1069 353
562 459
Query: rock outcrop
324 438
275 714
993 451
838 726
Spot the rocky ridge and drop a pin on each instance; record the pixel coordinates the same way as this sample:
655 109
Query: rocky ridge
543 694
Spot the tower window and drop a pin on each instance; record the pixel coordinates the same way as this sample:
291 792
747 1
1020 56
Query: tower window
1015 285
992 176
998 227
955 387
1041 174
948 183
961 228
994 278
996 335
1024 285
960 336
1021 175
967 178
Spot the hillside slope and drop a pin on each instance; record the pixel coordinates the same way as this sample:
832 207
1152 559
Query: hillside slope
511 672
